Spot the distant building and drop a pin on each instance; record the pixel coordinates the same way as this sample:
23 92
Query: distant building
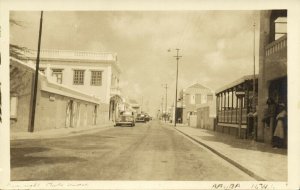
206 114
272 71
189 100
94 73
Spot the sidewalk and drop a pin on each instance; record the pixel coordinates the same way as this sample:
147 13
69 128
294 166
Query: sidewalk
259 160
57 133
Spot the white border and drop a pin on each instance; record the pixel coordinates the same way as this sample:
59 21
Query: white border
293 7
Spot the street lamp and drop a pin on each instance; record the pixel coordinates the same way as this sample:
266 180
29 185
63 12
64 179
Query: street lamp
177 59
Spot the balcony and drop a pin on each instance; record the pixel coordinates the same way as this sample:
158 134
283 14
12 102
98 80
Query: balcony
115 91
276 46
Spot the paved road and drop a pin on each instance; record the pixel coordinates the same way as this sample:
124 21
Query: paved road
150 151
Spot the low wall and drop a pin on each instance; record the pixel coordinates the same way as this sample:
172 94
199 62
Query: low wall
204 118
233 131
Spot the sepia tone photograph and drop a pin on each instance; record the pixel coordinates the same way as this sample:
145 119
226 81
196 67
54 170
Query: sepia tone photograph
148 96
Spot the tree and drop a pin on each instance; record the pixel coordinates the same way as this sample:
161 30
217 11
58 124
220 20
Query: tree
17 51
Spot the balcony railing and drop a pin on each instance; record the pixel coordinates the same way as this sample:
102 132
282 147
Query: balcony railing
69 54
276 46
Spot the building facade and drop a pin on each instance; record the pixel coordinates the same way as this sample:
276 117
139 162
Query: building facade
272 71
94 73
206 115
189 99
57 106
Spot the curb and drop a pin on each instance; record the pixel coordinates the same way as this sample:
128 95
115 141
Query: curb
236 164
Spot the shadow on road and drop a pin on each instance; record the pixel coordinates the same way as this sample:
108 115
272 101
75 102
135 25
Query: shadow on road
19 157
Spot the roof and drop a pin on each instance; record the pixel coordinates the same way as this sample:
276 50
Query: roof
281 20
196 88
236 82
197 85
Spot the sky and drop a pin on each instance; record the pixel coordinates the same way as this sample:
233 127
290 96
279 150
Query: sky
216 46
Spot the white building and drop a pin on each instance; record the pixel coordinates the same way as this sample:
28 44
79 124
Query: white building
189 100
93 73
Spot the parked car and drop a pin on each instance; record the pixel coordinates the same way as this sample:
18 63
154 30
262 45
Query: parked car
126 118
147 117
140 118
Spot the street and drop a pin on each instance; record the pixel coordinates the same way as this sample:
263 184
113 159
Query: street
148 151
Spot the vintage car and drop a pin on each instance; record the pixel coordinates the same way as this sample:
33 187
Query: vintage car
125 118
140 118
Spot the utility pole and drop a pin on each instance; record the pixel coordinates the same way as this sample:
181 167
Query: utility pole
177 59
142 105
254 86
166 87
162 106
36 76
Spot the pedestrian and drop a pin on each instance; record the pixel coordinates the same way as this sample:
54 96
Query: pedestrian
278 137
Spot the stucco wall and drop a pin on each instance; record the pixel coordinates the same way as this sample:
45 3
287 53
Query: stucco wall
204 118
271 67
101 91
51 108
20 87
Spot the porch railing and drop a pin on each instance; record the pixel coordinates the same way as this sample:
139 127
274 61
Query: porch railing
232 116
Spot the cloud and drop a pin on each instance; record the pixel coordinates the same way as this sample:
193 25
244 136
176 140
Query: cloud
214 44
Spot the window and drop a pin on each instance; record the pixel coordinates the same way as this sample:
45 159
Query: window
280 27
209 98
192 100
13 107
96 78
78 78
42 70
57 74
198 99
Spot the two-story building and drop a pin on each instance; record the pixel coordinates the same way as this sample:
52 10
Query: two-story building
272 81
94 73
189 100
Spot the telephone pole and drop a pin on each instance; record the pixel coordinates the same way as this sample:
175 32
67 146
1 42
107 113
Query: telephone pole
254 86
166 105
142 105
162 107
177 59
36 76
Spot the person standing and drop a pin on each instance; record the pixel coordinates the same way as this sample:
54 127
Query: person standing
278 136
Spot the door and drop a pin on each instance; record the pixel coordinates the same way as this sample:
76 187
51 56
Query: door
69 111
95 115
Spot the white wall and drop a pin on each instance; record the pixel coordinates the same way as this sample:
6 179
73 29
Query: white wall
101 92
